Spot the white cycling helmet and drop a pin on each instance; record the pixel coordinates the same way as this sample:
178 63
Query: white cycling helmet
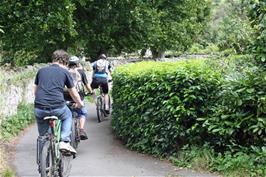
73 60
102 56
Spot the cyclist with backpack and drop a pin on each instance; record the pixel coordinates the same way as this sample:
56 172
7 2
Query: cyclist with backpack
80 81
49 100
101 68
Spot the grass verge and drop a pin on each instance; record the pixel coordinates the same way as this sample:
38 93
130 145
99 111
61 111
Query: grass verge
10 127
244 163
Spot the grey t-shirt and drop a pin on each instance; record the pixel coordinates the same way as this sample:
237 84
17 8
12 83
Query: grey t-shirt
51 82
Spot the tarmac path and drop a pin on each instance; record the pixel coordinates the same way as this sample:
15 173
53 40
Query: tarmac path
101 155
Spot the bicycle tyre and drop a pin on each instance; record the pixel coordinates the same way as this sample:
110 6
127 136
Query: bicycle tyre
77 131
46 160
109 104
99 108
65 165
74 143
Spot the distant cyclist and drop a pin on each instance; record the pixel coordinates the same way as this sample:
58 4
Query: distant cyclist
49 87
101 69
80 81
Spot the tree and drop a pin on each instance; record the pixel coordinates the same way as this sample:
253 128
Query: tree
33 29
176 24
229 27
107 25
132 25
257 15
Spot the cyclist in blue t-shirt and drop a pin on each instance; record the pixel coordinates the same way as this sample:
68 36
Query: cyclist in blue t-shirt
101 69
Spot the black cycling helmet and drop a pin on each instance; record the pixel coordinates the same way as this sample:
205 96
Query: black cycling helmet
73 60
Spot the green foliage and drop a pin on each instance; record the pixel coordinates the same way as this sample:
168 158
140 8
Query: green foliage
258 19
194 157
200 49
22 58
129 25
235 33
1 30
238 117
8 173
33 29
156 104
37 27
11 126
229 27
175 25
241 164
6 78
160 107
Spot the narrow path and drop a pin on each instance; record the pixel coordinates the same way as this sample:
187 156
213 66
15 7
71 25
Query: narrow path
101 155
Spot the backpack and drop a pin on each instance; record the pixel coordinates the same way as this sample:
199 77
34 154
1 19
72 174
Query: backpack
101 66
77 80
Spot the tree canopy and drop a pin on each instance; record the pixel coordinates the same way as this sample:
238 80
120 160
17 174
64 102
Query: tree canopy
33 29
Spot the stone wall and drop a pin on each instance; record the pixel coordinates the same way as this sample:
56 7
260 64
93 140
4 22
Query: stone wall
13 95
16 86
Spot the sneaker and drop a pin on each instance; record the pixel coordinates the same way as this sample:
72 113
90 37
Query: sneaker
66 148
83 135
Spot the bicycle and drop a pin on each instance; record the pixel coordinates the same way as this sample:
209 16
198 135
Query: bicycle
51 162
75 131
100 106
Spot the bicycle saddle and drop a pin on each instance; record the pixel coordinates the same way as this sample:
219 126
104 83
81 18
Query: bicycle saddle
50 118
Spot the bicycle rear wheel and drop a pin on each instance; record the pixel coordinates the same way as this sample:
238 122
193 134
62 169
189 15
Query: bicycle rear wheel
109 104
99 107
46 161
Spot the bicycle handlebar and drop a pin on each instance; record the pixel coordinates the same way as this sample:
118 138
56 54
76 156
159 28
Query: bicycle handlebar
88 94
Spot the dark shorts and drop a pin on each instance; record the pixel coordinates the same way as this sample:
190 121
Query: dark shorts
102 82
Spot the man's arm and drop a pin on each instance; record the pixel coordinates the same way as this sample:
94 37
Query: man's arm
35 89
85 80
88 87
75 96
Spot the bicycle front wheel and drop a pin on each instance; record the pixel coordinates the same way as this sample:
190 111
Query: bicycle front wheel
65 165
46 160
73 135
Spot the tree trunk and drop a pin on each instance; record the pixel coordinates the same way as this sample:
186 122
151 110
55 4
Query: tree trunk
157 53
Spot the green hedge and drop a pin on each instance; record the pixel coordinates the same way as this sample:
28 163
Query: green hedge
239 115
156 105
159 107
